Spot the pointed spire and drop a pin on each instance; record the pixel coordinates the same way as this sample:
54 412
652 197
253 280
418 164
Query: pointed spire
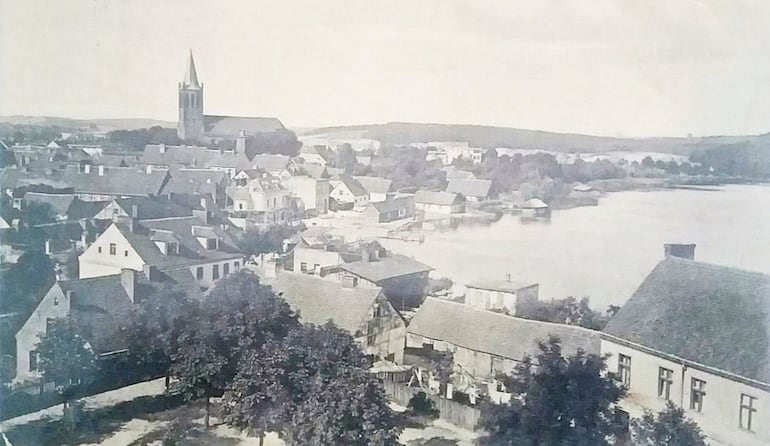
191 77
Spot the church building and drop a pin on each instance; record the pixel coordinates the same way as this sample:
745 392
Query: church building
195 126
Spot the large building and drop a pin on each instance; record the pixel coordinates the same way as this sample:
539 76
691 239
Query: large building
195 126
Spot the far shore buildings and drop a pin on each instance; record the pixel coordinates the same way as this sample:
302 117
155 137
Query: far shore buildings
698 335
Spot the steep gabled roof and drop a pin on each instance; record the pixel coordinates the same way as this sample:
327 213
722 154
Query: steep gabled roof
374 185
353 186
469 188
60 203
149 208
386 268
320 300
394 204
713 315
495 333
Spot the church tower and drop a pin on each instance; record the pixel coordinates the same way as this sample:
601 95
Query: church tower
190 126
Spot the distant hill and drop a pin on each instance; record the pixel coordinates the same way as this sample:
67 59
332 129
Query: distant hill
96 124
490 137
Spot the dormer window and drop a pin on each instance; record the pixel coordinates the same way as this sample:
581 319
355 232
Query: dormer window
172 249
211 243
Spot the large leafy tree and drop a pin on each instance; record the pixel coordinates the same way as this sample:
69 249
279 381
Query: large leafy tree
335 399
558 401
237 317
64 356
670 427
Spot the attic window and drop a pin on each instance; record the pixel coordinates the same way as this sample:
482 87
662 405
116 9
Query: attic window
211 243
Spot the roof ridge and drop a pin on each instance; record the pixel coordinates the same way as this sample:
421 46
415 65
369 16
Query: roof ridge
714 266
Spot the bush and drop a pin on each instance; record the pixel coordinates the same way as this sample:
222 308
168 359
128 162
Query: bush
420 404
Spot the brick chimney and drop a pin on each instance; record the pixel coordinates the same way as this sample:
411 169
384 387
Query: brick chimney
240 142
128 281
680 250
202 215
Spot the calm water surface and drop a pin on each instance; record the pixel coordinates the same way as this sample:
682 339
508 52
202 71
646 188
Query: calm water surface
606 251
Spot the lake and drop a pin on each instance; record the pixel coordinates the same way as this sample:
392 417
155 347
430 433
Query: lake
605 251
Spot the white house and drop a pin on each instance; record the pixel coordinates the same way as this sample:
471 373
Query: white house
696 334
439 202
507 295
348 190
193 243
316 154
378 188
257 191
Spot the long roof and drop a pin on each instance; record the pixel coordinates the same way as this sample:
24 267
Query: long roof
320 300
394 204
271 162
506 286
188 156
60 203
713 315
203 181
374 185
117 181
231 126
495 333
149 208
469 188
386 268
439 198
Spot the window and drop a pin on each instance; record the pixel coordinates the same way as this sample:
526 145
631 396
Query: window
371 340
115 211
113 249
48 322
99 249
303 266
199 273
236 265
171 249
125 253
56 301
211 243
226 269
317 267
665 379
624 369
32 360
748 408
497 364
697 392
215 272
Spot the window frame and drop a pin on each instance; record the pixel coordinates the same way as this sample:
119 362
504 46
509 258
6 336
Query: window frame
750 409
225 269
697 394
113 249
199 273
665 381
624 369
215 272
33 360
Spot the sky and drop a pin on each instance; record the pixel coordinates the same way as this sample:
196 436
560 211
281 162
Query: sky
621 68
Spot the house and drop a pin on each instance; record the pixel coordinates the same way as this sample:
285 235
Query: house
255 192
325 254
439 202
348 190
403 280
277 165
502 295
95 305
364 312
196 244
310 185
105 183
141 208
316 154
472 190
484 343
203 182
379 189
389 210
535 207
697 334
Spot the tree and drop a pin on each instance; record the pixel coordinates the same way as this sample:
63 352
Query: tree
335 400
36 213
23 281
570 311
238 316
670 427
64 356
558 401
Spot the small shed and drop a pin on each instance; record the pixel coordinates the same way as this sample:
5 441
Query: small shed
535 207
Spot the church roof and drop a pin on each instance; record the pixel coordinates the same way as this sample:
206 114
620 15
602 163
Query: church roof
231 126
191 76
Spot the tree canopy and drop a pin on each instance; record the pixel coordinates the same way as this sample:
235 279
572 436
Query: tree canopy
670 427
64 356
557 401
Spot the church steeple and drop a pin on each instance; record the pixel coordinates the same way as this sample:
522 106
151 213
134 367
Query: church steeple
191 77
190 125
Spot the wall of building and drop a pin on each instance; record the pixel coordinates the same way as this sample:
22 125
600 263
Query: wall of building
207 279
314 259
720 415
385 335
93 263
53 305
479 364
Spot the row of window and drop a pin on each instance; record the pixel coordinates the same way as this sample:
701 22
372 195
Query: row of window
748 403
113 250
215 270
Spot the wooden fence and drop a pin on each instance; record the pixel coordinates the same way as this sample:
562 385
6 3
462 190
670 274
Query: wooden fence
453 412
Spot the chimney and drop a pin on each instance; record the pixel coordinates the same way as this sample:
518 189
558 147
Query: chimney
202 215
148 169
162 148
48 247
680 250
128 281
134 211
203 203
150 272
87 168
240 142
101 170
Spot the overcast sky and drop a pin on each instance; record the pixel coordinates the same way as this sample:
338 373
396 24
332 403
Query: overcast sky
625 67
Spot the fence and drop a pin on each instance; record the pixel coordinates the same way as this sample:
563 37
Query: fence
453 412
